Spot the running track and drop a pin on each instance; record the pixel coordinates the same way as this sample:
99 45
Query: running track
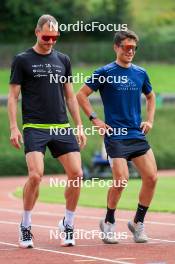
160 228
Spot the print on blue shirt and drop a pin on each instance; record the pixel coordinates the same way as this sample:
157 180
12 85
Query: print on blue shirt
120 89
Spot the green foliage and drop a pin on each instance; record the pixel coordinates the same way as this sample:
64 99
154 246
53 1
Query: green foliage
162 140
18 17
161 75
165 188
154 21
150 15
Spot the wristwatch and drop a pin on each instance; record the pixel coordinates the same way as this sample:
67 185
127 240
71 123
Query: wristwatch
92 116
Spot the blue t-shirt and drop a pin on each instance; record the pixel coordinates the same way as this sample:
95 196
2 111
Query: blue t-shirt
120 89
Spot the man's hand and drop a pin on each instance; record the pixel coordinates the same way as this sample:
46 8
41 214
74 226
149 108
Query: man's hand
81 138
146 126
101 126
16 138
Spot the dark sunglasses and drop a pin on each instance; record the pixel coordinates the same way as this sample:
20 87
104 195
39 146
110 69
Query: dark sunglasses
128 47
47 38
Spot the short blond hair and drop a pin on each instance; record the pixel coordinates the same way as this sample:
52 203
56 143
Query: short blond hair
46 18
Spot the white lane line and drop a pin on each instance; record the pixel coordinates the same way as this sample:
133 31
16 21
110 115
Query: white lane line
71 254
54 227
7 249
81 216
162 240
84 260
120 242
33 225
124 258
9 244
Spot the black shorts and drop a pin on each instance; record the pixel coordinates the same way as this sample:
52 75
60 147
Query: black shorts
38 139
126 148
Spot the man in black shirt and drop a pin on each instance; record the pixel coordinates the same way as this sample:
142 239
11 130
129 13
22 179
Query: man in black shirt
37 74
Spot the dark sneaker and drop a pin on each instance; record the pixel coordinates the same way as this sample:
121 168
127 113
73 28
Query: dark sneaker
25 237
66 234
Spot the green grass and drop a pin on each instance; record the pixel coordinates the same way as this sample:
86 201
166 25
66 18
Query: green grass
161 138
162 77
96 196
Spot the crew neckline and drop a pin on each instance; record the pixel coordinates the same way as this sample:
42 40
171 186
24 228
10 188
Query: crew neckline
125 68
39 54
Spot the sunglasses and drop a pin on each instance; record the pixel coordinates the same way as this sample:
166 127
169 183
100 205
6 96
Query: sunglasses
127 48
47 38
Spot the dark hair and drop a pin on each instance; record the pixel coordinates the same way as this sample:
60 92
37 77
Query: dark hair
45 19
122 35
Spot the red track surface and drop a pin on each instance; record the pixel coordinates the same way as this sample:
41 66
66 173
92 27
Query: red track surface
160 228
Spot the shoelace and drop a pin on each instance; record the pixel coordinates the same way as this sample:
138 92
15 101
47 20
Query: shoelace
26 234
110 227
69 233
140 228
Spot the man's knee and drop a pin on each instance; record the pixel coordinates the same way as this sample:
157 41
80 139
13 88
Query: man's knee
120 181
151 179
76 174
35 177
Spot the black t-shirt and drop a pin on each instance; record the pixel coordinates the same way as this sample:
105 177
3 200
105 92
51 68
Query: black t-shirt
42 90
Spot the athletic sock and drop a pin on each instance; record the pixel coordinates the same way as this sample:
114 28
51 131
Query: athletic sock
140 213
69 218
26 219
110 216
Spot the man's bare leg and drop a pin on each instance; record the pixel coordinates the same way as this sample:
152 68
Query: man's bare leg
147 168
120 175
146 165
35 166
120 178
72 165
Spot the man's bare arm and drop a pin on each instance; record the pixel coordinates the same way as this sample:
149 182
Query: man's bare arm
13 96
72 104
150 112
82 97
73 108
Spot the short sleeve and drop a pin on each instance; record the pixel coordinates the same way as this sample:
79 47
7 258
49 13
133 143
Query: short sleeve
147 88
97 79
16 76
68 73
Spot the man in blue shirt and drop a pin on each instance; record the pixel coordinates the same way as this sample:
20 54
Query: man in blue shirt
121 84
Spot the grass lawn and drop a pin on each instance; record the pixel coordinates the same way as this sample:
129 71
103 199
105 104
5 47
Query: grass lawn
161 138
96 196
161 75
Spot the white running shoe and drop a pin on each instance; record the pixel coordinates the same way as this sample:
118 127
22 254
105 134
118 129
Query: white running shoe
138 232
25 237
109 234
66 234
